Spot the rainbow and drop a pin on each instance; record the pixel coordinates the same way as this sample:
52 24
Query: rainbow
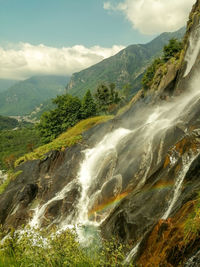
114 200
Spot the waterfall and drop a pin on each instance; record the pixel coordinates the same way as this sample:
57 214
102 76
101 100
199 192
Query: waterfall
89 169
91 166
187 161
156 123
40 210
132 253
193 50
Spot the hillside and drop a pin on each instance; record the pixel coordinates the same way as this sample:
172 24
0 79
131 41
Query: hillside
5 84
7 123
23 97
125 67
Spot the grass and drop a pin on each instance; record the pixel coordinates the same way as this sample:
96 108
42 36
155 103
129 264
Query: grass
44 247
67 139
14 144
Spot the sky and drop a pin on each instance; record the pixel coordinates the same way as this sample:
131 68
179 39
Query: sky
65 36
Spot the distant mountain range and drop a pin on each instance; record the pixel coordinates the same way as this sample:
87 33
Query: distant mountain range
5 84
24 96
33 96
127 66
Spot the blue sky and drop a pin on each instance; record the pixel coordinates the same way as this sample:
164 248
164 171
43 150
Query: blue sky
65 23
65 36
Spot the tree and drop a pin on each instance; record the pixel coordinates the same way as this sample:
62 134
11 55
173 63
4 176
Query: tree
54 122
107 97
88 107
172 49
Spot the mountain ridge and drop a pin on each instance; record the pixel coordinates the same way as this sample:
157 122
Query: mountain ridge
127 66
24 96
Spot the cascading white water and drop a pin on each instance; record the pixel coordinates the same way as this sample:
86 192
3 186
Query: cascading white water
132 253
92 165
160 118
187 161
193 50
40 210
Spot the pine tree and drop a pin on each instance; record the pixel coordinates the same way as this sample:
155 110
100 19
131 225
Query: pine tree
88 107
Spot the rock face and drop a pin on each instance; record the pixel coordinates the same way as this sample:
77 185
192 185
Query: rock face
136 176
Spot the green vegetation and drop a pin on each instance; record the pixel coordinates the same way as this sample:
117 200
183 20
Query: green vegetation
125 67
147 79
23 97
41 248
192 225
67 139
7 123
88 107
14 144
65 115
70 110
171 50
107 98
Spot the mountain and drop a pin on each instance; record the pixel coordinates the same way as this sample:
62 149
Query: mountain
131 180
7 123
125 67
23 97
5 84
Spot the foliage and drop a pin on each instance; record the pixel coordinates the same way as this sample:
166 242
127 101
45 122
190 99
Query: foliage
24 96
88 107
150 72
56 121
14 144
192 224
40 248
172 49
124 67
107 98
67 139
7 123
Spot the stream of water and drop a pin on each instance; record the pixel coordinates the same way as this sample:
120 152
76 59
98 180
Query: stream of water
159 120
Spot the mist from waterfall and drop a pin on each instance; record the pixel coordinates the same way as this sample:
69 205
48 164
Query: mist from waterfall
99 164
193 50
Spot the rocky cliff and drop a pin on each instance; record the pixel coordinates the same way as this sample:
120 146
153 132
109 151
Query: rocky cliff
135 177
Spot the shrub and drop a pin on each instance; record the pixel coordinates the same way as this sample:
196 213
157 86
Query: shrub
150 72
172 49
40 248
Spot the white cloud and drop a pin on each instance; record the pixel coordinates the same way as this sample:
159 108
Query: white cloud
25 60
154 16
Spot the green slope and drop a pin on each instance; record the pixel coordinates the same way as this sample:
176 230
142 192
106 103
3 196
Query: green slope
23 97
7 123
125 67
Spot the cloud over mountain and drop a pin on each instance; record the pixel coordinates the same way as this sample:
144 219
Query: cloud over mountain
153 16
24 60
